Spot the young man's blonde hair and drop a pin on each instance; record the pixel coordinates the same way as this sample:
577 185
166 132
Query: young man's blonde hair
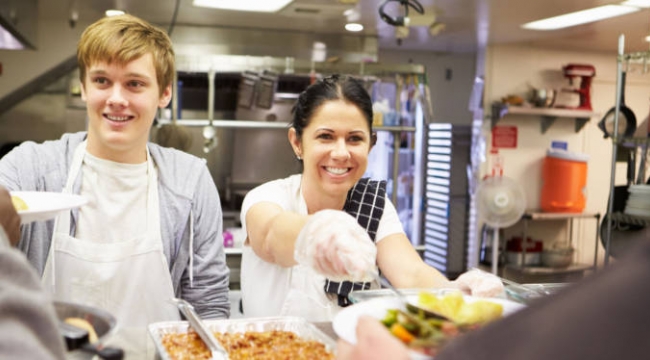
121 39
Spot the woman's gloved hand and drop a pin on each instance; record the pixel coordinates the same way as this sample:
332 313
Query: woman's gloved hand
336 246
479 283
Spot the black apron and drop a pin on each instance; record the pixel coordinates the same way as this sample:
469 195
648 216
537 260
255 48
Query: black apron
365 202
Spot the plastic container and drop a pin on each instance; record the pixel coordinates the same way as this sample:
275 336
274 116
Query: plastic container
514 251
564 181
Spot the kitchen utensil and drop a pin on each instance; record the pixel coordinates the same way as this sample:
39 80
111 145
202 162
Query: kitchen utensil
415 308
172 134
626 119
266 89
216 349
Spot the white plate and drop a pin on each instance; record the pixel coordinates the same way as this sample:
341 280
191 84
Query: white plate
42 205
345 322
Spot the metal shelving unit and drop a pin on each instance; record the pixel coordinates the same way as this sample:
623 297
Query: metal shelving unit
622 58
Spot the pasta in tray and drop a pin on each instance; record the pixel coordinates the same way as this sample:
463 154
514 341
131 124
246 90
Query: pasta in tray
266 345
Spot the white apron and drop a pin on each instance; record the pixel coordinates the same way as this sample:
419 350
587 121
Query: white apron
129 279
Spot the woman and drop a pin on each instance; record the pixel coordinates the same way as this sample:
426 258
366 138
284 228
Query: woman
310 233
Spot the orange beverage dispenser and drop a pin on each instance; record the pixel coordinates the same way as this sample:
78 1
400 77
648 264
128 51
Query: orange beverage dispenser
564 181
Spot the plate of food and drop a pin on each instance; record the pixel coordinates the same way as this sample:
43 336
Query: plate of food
423 335
43 205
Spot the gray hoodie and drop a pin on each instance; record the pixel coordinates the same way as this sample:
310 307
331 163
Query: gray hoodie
186 192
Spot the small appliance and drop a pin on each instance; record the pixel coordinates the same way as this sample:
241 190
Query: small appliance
585 72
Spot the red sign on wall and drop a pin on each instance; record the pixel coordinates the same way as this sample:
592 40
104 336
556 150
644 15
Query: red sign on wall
504 137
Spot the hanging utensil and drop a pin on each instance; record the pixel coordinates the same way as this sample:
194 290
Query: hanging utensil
209 132
626 120
217 351
172 134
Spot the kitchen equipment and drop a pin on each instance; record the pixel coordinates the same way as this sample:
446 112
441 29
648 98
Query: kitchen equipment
558 256
626 119
585 73
216 349
501 202
564 175
77 339
267 85
542 97
625 233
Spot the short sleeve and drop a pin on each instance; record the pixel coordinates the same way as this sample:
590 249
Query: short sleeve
389 223
279 192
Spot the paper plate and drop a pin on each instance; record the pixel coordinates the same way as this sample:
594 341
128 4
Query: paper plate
42 205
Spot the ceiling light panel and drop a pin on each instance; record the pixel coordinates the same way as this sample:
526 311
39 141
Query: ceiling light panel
244 5
637 3
580 17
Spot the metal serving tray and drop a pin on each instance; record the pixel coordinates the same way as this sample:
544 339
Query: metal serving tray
297 325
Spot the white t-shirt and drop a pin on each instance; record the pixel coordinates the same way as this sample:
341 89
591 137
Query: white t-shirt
117 201
265 285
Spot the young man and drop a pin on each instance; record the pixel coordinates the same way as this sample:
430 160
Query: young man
152 228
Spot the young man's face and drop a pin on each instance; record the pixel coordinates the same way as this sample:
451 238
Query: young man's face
122 102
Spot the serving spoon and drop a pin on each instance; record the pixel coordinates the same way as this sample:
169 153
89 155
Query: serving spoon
414 308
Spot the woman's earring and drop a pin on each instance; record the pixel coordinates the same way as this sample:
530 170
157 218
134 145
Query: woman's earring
298 157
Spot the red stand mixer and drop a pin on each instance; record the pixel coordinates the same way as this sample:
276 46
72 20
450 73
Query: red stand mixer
585 73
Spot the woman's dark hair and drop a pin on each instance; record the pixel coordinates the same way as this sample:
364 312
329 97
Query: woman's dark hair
334 87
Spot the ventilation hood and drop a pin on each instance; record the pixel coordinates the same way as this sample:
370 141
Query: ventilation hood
18 24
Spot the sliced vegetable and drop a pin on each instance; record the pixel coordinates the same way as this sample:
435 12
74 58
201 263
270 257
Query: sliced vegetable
401 333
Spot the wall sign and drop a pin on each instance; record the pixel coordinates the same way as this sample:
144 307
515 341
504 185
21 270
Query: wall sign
504 137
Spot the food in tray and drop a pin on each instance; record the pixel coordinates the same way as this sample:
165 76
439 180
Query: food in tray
83 324
265 345
428 335
19 203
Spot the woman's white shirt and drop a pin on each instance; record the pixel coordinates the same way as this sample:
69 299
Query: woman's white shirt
265 285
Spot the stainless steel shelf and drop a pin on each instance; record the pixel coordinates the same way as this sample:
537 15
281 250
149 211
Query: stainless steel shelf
548 115
534 215
249 124
542 270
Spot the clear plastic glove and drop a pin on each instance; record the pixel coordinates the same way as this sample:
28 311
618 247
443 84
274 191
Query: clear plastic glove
334 245
479 283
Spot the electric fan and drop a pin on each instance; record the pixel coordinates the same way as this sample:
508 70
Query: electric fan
501 202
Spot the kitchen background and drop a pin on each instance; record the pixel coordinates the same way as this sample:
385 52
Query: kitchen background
455 42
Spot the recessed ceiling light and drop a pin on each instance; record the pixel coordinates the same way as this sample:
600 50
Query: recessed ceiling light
637 3
8 41
580 17
113 12
244 5
354 27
